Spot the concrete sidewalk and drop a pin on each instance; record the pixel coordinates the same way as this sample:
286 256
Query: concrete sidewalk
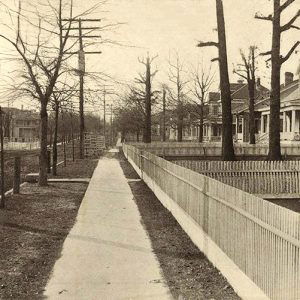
107 254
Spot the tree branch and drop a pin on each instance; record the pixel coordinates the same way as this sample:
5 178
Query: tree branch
290 25
215 59
266 53
264 18
207 44
285 58
286 4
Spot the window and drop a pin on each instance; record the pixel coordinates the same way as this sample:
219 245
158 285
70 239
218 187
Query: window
257 125
265 123
215 130
215 110
281 125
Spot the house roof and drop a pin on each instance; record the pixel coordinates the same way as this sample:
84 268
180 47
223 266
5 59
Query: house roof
214 96
21 114
236 86
289 94
242 94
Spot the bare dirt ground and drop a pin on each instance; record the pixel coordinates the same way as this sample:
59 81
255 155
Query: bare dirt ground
187 271
33 227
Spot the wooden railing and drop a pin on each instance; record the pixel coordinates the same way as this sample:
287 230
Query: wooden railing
261 238
184 149
281 178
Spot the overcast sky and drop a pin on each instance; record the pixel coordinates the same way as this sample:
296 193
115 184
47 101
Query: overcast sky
165 26
160 26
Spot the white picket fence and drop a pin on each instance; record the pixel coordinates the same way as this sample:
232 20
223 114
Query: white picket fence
260 238
255 177
21 145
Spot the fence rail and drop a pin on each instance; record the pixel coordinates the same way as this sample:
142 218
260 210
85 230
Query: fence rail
255 177
213 149
261 238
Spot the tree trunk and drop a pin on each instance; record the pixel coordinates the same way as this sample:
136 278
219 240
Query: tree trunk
148 103
164 116
201 125
43 137
138 136
81 116
54 159
227 140
51 137
2 173
251 91
274 126
179 121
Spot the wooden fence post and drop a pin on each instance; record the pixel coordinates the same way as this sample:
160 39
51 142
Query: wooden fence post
17 175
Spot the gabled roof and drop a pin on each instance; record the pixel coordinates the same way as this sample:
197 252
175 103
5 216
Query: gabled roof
242 93
289 94
236 86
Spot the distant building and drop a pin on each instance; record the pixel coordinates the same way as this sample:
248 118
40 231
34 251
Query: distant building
239 108
289 112
20 125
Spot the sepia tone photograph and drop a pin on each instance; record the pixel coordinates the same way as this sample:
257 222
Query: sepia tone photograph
150 149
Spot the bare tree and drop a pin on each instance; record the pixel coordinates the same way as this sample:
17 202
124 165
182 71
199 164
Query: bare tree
179 93
247 70
227 139
146 80
277 60
42 67
202 80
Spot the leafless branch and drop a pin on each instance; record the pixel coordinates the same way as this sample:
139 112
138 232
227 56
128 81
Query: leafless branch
290 24
286 4
285 58
264 18
207 44
266 53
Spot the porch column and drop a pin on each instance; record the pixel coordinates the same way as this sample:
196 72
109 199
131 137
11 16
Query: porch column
236 125
209 132
261 124
297 122
293 120
288 123
243 128
268 122
284 122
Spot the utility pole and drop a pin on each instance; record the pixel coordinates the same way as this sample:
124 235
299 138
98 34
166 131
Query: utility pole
111 131
164 115
72 133
2 202
104 113
81 70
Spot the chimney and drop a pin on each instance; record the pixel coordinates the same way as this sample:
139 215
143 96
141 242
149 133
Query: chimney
289 78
